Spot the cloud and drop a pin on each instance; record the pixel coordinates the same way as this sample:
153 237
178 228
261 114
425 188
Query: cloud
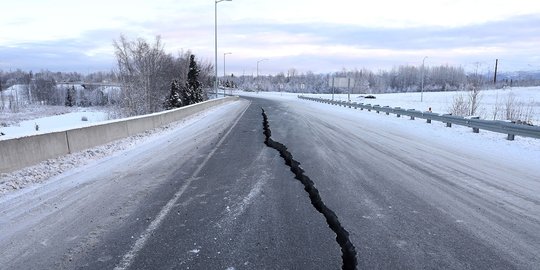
90 52
306 46
514 40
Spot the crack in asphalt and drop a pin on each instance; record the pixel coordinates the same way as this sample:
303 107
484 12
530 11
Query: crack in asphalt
348 250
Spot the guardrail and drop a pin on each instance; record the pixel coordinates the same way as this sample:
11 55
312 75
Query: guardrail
504 127
26 151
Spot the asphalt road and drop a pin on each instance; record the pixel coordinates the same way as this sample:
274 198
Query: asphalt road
217 197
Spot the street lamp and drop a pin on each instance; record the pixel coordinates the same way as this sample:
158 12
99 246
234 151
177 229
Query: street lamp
258 66
422 87
224 74
215 45
224 54
258 72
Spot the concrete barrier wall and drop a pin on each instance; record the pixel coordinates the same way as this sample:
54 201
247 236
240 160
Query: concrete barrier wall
139 125
87 137
20 152
26 151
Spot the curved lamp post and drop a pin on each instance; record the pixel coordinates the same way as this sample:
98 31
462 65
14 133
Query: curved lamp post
258 72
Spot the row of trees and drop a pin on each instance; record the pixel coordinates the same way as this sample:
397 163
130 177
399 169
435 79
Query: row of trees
150 77
144 81
50 88
187 93
18 76
398 79
48 92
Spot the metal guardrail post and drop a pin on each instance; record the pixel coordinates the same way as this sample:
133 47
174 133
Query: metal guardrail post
387 110
448 123
428 117
475 129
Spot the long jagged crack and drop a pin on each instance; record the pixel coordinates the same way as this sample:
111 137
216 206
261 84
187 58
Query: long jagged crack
342 236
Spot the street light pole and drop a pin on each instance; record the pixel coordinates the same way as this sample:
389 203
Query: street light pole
258 66
224 73
258 72
422 87
224 54
215 45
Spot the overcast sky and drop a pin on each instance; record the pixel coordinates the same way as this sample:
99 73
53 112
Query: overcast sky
308 35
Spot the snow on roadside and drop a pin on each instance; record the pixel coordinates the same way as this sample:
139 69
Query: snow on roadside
44 119
53 123
526 150
8 117
492 102
52 167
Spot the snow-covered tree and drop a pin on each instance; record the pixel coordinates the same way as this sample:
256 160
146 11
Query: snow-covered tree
193 90
70 96
174 100
143 72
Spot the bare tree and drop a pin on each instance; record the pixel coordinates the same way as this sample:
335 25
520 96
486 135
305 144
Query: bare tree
44 90
497 107
474 100
142 72
511 107
2 106
459 106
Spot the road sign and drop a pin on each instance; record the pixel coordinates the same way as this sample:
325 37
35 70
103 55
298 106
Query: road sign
341 82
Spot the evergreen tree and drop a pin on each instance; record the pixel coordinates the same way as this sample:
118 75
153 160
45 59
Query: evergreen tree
193 91
70 96
174 100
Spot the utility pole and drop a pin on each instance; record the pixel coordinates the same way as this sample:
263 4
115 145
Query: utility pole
495 76
422 86
349 89
332 88
258 81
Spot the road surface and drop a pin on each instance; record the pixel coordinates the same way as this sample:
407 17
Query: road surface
215 196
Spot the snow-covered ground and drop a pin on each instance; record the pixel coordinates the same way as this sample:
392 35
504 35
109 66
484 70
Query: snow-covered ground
47 124
525 98
524 149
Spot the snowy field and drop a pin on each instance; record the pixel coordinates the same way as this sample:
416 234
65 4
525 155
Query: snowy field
39 125
492 102
20 118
